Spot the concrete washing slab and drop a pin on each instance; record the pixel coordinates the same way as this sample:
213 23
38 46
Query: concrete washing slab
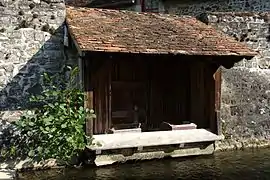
122 147
104 160
146 139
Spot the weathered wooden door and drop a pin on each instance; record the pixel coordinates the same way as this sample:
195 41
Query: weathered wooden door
169 93
182 91
128 93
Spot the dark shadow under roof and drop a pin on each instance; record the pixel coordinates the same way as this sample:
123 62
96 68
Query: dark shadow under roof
132 32
100 3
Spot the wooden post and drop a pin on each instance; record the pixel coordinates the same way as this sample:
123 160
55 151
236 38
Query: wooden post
89 95
218 99
89 104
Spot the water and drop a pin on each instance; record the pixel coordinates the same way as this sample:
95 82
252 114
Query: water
242 165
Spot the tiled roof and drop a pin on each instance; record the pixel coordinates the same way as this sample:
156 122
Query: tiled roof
132 32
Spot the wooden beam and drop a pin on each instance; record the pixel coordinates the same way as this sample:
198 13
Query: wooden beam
80 52
218 80
89 94
89 104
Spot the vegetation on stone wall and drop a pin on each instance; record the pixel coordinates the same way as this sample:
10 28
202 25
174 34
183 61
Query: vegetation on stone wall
55 127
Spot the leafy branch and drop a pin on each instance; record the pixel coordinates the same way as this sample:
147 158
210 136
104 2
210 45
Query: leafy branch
55 128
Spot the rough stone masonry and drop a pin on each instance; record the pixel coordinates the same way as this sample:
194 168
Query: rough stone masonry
245 105
245 96
31 42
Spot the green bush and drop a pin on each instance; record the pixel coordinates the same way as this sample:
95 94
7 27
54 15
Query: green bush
55 128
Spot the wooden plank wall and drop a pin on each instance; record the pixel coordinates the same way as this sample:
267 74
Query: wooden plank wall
169 92
202 100
102 85
198 92
182 91
129 83
174 91
88 91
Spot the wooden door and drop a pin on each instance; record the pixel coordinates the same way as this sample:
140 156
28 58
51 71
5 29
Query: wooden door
129 93
169 93
182 91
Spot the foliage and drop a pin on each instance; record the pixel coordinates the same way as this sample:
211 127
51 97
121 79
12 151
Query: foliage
56 128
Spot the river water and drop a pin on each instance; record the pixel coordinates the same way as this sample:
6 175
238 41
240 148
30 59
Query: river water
239 165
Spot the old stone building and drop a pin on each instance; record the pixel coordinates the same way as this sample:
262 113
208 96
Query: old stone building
33 36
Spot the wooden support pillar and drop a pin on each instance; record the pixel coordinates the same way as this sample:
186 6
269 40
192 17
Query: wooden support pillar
89 94
89 104
217 77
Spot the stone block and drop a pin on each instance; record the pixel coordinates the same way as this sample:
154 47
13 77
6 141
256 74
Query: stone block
8 67
6 174
29 164
173 127
53 46
16 34
133 130
158 153
10 116
36 1
264 63
2 72
39 36
236 111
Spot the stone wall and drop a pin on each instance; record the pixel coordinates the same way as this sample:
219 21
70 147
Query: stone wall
245 96
196 7
245 107
31 42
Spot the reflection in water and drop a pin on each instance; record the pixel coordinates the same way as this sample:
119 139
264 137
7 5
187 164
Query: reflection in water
242 165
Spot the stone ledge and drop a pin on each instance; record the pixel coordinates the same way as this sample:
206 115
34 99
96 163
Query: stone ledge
146 139
28 164
226 145
103 160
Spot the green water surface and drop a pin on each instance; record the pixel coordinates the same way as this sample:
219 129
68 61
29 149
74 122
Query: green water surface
240 165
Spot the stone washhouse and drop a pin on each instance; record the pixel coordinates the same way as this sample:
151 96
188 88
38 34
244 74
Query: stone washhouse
36 36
